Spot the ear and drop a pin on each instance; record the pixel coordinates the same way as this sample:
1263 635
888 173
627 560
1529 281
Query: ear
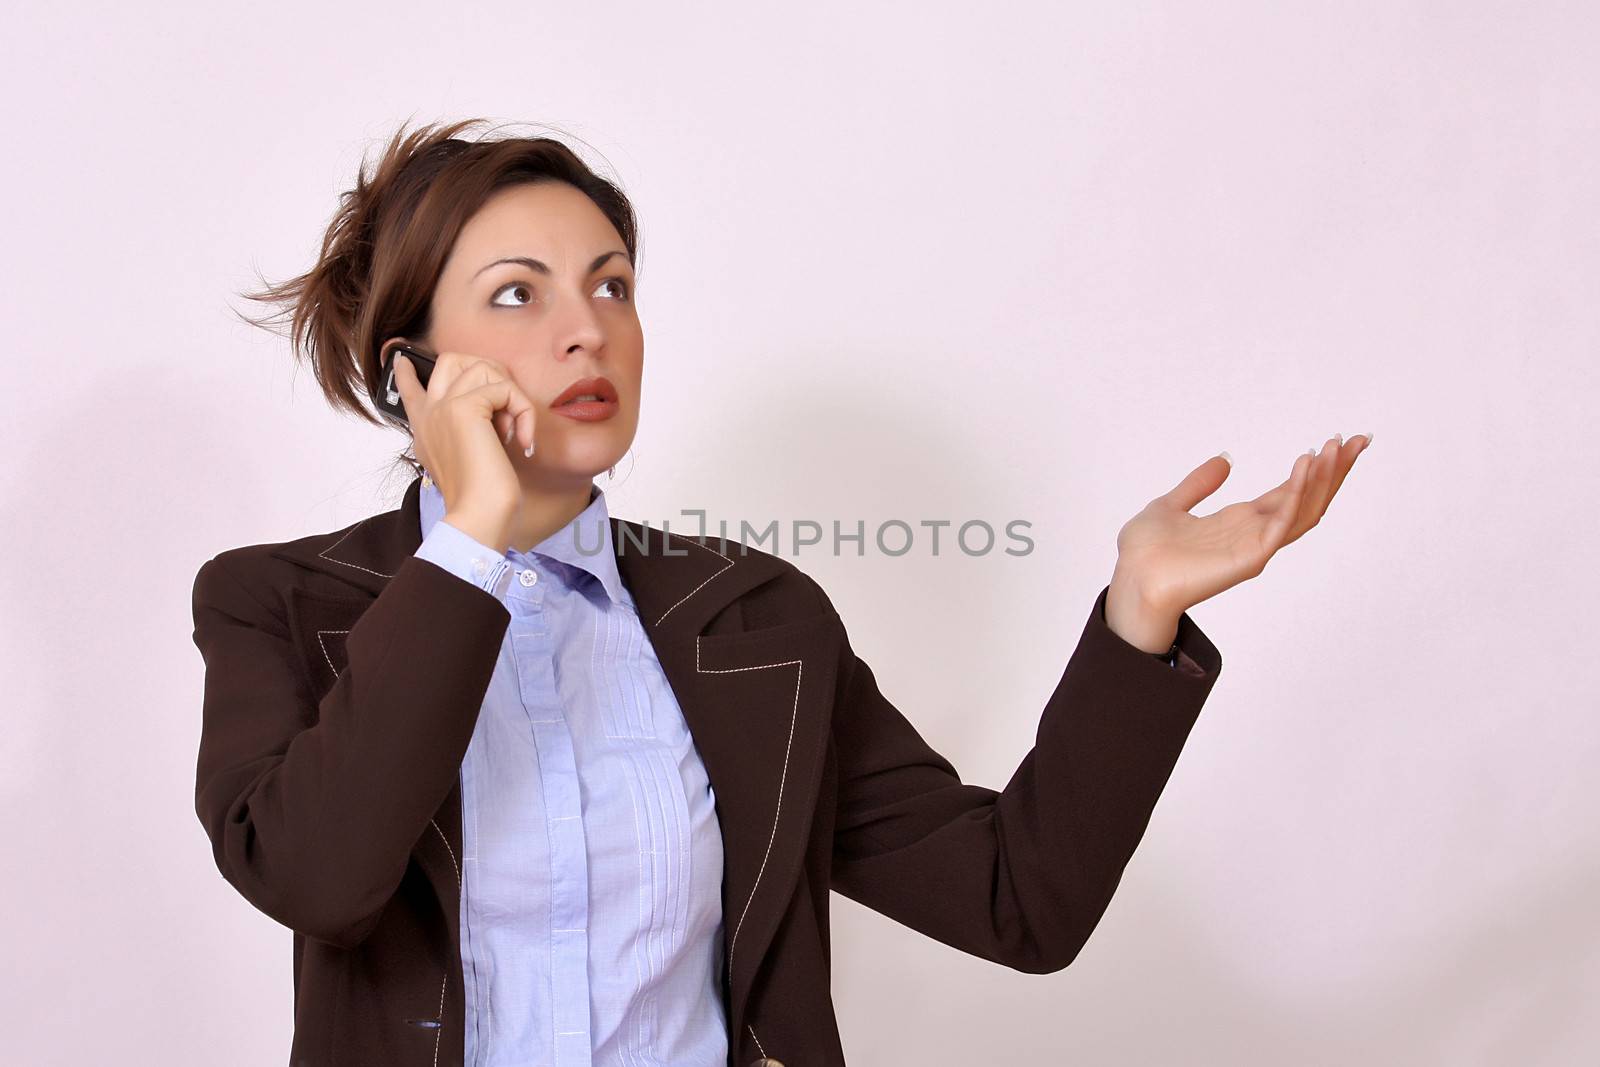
386 348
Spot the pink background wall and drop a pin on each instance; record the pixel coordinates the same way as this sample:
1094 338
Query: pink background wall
926 260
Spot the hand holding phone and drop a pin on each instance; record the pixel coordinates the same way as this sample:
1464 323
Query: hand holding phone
455 419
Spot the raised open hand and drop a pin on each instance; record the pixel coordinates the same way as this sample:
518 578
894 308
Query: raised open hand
1169 560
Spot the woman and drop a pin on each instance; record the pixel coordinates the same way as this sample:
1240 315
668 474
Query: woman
533 784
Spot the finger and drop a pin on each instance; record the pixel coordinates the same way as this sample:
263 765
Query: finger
1318 477
1322 481
1199 483
507 401
455 373
505 424
461 373
1347 458
519 407
413 397
472 373
1272 499
525 423
1347 454
405 379
1276 534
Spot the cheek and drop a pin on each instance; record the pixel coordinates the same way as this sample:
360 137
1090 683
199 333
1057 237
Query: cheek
630 376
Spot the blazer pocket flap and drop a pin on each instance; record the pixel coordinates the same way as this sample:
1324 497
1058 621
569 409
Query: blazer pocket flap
319 624
793 633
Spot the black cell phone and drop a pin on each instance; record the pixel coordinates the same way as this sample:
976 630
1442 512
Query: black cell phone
387 394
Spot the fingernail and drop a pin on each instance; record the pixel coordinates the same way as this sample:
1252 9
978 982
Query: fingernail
510 429
529 450
1368 436
1224 455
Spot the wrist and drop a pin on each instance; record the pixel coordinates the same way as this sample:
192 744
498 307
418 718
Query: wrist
489 530
1134 617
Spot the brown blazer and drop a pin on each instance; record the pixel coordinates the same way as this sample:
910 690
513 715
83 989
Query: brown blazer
343 679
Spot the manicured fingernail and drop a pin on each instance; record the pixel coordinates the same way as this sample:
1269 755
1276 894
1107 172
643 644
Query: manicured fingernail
1368 436
1224 455
529 450
1340 438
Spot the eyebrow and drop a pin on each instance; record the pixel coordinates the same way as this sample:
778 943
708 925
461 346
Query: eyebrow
534 264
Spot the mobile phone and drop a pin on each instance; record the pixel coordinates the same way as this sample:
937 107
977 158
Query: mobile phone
386 396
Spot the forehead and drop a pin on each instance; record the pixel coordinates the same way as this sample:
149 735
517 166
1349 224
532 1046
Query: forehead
551 221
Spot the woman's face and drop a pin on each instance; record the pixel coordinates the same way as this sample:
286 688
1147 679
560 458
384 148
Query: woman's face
551 328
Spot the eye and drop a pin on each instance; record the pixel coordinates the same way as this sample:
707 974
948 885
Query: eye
623 292
508 288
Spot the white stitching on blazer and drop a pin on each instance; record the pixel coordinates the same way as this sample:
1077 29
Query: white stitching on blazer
437 1034
346 563
324 646
702 585
794 713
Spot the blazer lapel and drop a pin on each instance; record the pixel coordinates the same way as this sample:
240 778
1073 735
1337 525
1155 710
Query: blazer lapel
757 702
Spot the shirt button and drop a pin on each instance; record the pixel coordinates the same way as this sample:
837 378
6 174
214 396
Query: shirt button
528 577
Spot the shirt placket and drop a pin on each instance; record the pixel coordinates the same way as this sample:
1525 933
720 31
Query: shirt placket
534 649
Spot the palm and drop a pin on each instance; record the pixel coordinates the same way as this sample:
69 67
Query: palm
1181 559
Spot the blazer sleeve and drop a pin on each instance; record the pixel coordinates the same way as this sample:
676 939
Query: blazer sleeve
1020 876
313 807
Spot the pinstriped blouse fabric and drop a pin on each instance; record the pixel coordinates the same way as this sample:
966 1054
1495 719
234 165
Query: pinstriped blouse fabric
592 857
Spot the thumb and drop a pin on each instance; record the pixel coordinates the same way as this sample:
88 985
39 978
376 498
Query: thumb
1201 482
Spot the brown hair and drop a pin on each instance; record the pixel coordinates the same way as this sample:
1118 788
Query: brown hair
386 246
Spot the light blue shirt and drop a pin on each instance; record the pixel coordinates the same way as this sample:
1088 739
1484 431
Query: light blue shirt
591 867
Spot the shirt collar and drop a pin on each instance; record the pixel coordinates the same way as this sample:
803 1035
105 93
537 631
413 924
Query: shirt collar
584 543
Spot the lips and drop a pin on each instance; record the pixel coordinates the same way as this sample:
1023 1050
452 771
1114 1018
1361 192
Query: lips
599 389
